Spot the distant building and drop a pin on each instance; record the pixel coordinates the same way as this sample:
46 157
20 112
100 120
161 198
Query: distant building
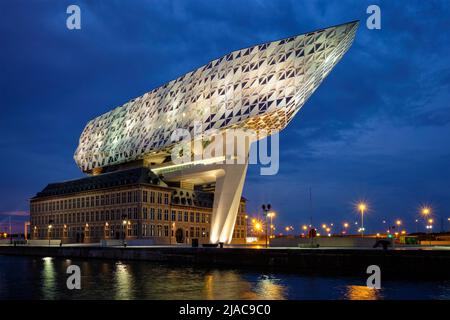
128 204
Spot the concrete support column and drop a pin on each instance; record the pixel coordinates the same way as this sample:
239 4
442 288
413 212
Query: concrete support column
227 197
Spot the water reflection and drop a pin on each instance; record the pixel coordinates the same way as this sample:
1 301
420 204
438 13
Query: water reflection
269 288
362 293
33 278
48 276
123 282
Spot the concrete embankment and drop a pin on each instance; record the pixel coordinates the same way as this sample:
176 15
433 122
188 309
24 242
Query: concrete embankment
410 264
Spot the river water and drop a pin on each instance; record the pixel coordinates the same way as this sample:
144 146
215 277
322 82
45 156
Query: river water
45 278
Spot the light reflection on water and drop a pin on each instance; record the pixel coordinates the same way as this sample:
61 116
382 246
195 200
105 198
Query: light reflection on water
48 278
45 278
362 293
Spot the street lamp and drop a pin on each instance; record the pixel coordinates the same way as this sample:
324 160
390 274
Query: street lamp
426 211
345 225
49 229
362 207
266 209
124 231
271 216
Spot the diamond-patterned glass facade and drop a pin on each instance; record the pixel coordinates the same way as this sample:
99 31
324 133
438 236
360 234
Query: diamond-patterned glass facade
260 87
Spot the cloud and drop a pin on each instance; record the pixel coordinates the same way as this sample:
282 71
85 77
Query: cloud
15 213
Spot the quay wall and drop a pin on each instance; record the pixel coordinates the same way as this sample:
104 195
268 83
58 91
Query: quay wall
393 263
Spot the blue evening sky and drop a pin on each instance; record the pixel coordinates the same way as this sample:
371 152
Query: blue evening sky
376 129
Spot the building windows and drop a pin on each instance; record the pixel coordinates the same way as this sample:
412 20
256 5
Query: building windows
129 197
191 232
186 216
135 213
144 213
144 230
152 213
180 216
166 198
159 198
197 232
166 215
144 196
166 231
159 230
191 217
197 217
159 214
174 215
203 218
152 197
152 230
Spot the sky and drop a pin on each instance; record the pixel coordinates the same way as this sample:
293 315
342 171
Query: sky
377 128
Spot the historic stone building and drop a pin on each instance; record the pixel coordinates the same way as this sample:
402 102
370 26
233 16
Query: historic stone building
125 205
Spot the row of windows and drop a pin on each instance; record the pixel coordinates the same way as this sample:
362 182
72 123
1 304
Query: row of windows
239 233
116 231
122 214
101 200
241 220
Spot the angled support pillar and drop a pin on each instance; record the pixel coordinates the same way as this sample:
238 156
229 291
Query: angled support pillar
227 197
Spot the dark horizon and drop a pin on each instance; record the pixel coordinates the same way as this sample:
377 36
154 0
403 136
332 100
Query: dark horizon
375 130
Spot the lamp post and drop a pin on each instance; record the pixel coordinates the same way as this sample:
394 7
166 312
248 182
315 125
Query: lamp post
172 232
345 225
266 209
49 230
271 215
124 225
362 207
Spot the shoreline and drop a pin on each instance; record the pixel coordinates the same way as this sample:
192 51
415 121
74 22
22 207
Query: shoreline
409 264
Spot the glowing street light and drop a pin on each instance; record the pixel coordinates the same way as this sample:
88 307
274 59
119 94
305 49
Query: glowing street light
426 211
267 209
271 215
362 207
